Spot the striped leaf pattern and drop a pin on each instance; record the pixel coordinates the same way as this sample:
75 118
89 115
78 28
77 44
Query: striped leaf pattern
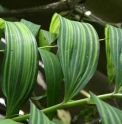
78 50
19 70
54 76
114 36
34 28
46 38
37 117
108 114
110 66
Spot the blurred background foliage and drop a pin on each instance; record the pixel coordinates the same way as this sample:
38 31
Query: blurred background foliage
103 11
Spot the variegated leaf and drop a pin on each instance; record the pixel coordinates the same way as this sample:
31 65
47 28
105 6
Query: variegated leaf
78 50
19 70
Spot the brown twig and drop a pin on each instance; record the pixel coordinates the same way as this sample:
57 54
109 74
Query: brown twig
49 8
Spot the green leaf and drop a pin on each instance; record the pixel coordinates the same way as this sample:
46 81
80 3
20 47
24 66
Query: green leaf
39 97
57 121
37 117
19 70
108 114
54 76
115 41
34 28
8 121
1 119
110 66
46 38
78 50
1 23
54 25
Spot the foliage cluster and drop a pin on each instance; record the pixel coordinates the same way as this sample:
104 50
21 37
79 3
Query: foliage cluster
74 63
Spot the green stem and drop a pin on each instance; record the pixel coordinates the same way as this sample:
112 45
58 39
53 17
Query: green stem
70 104
48 46
2 51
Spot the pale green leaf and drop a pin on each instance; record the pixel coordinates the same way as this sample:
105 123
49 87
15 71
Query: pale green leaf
64 116
108 114
37 117
34 28
78 51
46 38
8 121
1 23
110 66
19 69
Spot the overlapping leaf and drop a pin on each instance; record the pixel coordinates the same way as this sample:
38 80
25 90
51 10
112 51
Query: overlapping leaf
54 76
110 67
34 28
37 117
114 38
2 45
46 38
78 50
20 64
108 114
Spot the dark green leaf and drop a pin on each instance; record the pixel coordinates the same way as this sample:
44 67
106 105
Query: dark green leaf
19 70
37 117
108 114
88 118
114 37
46 38
78 50
39 97
1 8
34 28
54 76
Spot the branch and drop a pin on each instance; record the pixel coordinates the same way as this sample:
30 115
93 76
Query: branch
70 104
49 8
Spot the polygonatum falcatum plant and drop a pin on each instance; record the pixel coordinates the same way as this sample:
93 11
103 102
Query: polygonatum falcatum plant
74 63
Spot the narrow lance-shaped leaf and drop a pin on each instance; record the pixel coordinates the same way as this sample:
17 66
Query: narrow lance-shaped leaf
115 41
78 50
54 76
2 45
46 38
19 70
34 28
37 117
110 66
108 114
